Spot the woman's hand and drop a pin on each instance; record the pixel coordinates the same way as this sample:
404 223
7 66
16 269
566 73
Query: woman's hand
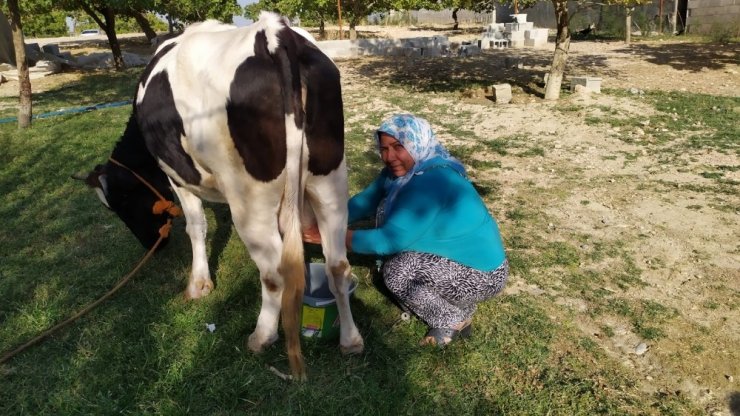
312 235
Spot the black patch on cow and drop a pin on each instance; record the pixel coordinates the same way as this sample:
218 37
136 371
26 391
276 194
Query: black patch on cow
324 112
153 62
256 116
162 127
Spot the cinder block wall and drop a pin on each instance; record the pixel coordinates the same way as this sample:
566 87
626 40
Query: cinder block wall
705 15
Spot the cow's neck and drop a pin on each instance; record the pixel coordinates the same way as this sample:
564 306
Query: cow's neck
131 151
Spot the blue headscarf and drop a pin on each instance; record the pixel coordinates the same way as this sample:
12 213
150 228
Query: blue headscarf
416 136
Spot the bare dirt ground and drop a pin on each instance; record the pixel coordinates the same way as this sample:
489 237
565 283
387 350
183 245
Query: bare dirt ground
592 184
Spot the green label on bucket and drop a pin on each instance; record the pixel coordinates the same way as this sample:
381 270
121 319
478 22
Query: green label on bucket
313 318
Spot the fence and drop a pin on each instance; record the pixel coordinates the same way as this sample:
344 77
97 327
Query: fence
431 17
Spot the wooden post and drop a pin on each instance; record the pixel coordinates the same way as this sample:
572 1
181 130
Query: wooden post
660 16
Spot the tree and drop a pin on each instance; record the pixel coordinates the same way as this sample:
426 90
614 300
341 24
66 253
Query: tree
311 12
104 14
189 11
24 79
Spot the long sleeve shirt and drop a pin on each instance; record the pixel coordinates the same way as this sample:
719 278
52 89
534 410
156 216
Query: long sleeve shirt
438 212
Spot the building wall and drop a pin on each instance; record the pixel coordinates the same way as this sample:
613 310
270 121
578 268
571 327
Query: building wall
706 15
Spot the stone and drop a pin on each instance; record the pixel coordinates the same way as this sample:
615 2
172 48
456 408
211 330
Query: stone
502 93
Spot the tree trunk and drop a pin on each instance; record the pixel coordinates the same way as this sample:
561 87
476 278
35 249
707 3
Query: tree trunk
628 26
115 46
339 13
109 26
562 45
24 79
454 17
146 27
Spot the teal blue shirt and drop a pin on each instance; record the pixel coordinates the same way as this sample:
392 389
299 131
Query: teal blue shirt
438 212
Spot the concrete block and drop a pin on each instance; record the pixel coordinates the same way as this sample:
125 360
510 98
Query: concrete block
410 52
514 27
516 43
593 84
468 50
518 35
535 34
502 93
535 43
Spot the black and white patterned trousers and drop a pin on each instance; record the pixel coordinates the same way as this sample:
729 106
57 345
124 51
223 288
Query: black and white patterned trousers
441 292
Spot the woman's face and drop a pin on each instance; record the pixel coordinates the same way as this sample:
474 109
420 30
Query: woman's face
395 156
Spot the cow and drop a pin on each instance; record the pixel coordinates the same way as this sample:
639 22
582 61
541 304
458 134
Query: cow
251 117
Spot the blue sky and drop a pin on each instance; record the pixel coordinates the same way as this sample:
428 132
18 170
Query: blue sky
238 20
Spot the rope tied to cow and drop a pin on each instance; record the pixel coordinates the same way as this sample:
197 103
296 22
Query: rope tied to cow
161 206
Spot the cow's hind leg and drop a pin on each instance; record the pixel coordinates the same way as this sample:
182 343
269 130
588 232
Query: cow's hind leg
256 223
200 283
328 198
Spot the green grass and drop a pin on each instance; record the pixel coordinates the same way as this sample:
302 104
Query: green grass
146 350
706 121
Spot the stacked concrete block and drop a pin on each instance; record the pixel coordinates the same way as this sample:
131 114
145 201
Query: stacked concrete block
493 37
522 33
592 84
535 37
517 27
516 38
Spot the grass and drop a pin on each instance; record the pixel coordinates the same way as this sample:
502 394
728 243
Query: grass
146 350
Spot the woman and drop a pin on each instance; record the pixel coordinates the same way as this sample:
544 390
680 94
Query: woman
442 249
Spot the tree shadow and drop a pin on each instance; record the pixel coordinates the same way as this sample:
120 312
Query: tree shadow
523 68
221 234
693 57
734 403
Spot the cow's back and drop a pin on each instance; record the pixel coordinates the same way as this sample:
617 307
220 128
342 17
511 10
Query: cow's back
211 102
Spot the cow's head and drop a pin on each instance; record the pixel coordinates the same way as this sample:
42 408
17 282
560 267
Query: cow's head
132 200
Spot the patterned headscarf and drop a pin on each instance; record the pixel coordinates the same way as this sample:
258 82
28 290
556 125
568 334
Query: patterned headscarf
416 136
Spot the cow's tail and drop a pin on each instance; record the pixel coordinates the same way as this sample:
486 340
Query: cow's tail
292 266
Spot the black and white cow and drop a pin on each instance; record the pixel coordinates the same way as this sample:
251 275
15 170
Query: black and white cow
251 117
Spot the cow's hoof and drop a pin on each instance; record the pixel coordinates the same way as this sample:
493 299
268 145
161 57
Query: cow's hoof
355 347
198 289
257 343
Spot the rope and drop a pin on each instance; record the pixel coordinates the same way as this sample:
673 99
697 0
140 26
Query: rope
160 207
163 233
